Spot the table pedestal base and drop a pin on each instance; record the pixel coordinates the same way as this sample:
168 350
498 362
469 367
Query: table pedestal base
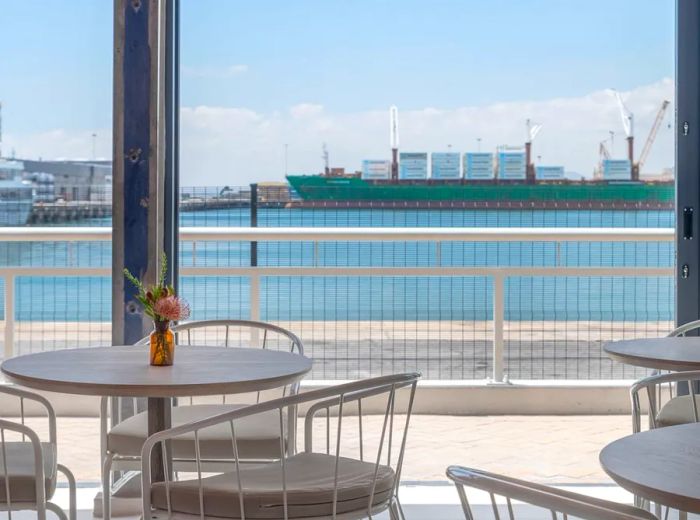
159 419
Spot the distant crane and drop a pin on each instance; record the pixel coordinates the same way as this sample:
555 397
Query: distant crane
628 124
652 135
603 154
394 141
326 162
532 130
0 130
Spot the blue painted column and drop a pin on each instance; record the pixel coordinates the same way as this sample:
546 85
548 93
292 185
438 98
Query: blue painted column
145 171
145 155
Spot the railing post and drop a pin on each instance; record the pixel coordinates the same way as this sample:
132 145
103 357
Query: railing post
498 313
9 316
254 279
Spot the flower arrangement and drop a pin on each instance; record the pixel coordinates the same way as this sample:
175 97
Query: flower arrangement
162 305
159 301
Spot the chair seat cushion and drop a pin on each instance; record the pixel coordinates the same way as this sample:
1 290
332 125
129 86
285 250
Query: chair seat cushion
678 410
310 484
21 470
258 435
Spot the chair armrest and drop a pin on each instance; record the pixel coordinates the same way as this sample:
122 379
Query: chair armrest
543 496
658 379
22 394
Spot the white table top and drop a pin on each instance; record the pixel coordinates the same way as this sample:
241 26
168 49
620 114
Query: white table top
676 353
662 465
124 371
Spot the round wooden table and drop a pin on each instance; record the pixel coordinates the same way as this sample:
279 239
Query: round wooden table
124 371
677 354
661 465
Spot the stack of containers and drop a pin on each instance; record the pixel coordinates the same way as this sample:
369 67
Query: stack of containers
546 173
413 166
376 170
617 169
478 165
445 166
511 165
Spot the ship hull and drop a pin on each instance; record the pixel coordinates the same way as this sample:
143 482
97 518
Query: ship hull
318 191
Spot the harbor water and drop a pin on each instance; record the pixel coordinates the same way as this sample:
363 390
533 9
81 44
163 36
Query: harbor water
41 298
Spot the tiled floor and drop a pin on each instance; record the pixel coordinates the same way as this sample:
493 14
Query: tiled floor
553 449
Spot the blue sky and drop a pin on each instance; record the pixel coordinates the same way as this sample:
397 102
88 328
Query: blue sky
356 55
339 58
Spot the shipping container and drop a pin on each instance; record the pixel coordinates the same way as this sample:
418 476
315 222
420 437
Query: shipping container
549 172
445 165
617 169
376 170
413 166
478 166
511 165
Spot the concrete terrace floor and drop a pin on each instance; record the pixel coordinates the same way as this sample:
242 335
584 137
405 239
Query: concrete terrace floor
548 449
558 450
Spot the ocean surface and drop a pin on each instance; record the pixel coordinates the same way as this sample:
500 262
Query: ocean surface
636 299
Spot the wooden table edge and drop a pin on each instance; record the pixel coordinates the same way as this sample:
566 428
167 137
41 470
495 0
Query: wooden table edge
652 494
197 390
645 362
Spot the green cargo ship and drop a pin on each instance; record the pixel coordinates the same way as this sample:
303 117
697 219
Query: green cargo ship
350 191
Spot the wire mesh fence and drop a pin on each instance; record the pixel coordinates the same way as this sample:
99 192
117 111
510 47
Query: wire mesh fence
377 321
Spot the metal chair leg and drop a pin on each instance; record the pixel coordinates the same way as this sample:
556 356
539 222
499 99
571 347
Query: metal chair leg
72 500
60 513
107 487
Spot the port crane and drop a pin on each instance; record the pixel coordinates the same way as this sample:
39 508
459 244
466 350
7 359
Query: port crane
394 141
628 125
652 135
532 130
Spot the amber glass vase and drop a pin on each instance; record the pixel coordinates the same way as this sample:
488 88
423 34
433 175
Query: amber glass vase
162 345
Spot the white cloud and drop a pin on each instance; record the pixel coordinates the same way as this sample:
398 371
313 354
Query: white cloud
59 143
305 110
237 145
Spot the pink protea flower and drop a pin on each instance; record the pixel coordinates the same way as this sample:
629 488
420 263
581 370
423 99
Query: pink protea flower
172 308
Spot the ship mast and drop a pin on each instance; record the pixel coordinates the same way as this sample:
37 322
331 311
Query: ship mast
394 141
532 130
326 162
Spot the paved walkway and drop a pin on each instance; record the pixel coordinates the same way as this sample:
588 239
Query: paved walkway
552 449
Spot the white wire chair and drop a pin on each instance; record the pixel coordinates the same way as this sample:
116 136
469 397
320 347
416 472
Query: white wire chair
348 476
557 502
28 466
669 409
258 439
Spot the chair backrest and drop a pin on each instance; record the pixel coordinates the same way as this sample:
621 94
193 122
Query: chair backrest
237 334
684 329
556 501
379 441
661 380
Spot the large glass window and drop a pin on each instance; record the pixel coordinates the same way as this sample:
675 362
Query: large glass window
506 114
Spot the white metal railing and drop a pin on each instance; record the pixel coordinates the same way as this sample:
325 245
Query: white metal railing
317 235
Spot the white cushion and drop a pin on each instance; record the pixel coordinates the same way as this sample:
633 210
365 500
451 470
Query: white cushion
258 435
21 471
678 410
309 484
